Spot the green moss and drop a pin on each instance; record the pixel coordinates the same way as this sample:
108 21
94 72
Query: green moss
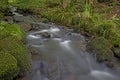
18 50
105 55
11 30
98 44
10 42
100 47
8 66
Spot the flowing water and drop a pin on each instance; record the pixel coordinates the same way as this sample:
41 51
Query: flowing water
62 55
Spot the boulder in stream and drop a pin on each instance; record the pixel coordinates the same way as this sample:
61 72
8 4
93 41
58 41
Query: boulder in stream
8 19
34 51
25 26
100 47
117 52
45 34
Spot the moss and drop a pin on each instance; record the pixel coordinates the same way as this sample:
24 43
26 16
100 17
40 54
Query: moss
10 42
8 66
18 50
105 55
100 46
11 30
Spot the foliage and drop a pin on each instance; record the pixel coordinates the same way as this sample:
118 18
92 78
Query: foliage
3 4
1 15
79 13
8 66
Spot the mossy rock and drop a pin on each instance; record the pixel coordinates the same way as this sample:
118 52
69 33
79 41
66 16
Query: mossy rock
117 52
8 66
11 30
18 50
97 44
100 47
105 55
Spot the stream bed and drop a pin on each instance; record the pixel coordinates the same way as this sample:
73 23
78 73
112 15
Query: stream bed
63 56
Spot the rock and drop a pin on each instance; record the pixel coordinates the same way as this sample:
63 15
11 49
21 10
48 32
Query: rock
44 20
34 51
8 19
103 1
117 52
24 78
35 26
104 55
109 64
25 26
18 18
45 35
117 64
25 12
100 47
8 13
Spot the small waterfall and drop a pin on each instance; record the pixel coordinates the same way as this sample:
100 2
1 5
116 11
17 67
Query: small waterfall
66 44
54 29
33 36
64 54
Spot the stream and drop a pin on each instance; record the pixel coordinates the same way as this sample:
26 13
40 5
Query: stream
63 56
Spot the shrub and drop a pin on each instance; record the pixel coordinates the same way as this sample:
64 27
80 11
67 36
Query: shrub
8 66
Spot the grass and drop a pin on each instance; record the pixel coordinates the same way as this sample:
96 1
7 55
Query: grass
87 16
86 19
